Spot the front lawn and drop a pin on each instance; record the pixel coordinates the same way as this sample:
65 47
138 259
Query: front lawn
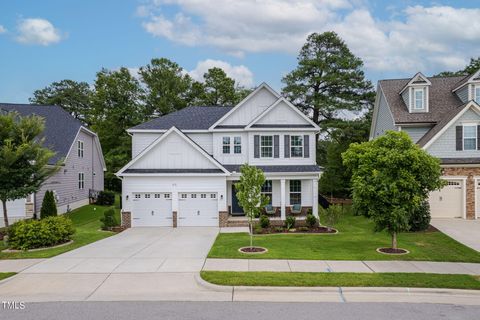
355 241
87 225
5 275
340 279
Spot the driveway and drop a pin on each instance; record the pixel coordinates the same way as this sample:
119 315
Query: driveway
137 264
464 231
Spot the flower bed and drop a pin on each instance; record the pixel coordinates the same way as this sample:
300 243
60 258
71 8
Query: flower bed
283 230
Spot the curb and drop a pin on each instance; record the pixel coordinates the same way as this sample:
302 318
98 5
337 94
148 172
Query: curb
210 286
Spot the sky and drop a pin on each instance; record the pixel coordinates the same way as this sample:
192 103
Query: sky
254 41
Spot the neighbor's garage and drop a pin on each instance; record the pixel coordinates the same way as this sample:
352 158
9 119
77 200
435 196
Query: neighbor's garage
449 201
152 210
197 209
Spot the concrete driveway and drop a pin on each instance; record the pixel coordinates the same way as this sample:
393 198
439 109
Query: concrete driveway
464 231
137 264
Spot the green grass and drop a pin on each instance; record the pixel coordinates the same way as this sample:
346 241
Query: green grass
5 275
356 240
307 279
87 225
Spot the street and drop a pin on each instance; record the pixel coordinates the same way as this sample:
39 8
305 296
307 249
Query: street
238 310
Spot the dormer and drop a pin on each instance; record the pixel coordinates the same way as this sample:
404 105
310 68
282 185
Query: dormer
469 88
415 93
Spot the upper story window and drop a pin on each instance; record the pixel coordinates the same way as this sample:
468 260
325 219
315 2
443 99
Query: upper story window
469 137
296 146
237 145
266 146
419 99
477 94
226 145
81 180
80 148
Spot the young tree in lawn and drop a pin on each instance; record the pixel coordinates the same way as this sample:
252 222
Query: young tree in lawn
23 158
249 193
391 177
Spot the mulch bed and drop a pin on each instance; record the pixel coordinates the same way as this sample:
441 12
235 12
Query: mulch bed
392 251
253 250
275 230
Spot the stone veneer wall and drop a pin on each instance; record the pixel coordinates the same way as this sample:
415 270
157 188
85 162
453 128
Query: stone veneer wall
470 173
174 217
222 219
126 219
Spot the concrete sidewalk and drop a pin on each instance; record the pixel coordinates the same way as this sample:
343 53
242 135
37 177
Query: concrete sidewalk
340 266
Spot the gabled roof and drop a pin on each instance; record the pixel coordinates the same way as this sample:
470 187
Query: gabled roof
190 118
172 130
467 79
61 128
418 79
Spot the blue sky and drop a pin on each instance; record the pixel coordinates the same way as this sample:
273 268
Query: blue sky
255 41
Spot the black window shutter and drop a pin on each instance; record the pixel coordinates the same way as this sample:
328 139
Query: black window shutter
306 146
276 146
287 146
459 138
478 137
256 146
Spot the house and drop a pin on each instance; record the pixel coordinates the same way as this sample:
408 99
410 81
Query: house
80 153
185 164
442 115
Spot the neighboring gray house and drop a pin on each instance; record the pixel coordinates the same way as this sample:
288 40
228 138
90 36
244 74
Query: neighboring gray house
80 153
442 115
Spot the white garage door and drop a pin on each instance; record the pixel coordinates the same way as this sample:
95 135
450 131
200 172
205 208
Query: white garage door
448 202
152 210
198 210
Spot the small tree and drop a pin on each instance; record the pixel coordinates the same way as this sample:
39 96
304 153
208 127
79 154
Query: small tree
23 159
391 177
49 207
332 214
249 193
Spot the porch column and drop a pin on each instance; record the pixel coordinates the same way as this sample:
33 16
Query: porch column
283 213
315 197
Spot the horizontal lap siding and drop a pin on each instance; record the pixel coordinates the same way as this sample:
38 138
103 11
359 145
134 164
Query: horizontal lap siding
142 140
384 120
416 132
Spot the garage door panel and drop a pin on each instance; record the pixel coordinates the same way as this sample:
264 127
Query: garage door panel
447 202
198 209
152 210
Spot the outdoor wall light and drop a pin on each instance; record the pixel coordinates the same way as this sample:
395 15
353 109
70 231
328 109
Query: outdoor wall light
126 197
221 197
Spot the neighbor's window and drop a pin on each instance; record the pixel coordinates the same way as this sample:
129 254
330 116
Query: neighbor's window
266 146
295 192
296 146
81 180
226 145
477 94
267 190
80 148
419 99
137 196
470 137
237 145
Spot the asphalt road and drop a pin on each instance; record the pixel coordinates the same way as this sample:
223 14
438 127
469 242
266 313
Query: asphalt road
238 310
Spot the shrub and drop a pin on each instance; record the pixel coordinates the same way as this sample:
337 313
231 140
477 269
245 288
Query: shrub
309 211
420 218
108 220
49 207
303 229
290 222
106 198
31 234
264 221
332 214
310 220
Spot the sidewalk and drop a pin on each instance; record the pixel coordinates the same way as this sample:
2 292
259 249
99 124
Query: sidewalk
340 266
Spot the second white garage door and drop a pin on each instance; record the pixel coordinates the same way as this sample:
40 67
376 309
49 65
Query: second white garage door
448 202
152 210
197 210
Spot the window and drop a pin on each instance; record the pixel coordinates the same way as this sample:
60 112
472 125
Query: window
203 196
184 196
80 148
137 195
147 195
477 94
213 196
295 192
226 145
470 137
296 146
166 195
81 180
419 100
267 190
237 145
193 195
157 195
266 146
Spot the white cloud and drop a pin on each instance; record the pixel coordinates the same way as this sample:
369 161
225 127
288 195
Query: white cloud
241 74
37 31
414 38
2 29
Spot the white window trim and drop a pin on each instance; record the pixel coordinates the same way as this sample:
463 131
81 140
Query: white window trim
229 145
476 93
237 145
415 90
81 180
290 192
80 148
292 146
260 146
475 137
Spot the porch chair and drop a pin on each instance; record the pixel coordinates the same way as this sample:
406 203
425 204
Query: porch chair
296 209
270 210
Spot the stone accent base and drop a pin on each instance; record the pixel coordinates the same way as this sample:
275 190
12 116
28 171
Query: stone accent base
470 173
222 219
126 219
174 217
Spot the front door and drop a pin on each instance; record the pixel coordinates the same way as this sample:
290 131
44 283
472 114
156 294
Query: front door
237 210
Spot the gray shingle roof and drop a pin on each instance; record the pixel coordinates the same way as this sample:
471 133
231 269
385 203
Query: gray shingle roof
190 118
60 127
441 101
287 168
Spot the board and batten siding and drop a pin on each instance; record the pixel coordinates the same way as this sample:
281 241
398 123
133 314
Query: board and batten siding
416 133
65 181
204 140
282 114
231 158
445 145
141 140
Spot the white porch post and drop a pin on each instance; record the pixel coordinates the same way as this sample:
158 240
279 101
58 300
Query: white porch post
283 213
315 197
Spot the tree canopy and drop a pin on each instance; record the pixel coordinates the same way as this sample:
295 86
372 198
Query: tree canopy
471 68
